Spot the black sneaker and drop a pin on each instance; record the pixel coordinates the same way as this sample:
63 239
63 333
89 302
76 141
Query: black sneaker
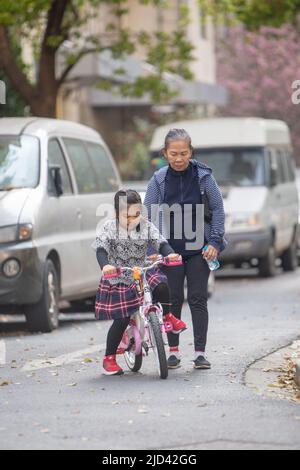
173 362
201 363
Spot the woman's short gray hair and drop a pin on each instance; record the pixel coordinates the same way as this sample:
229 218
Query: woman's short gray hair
177 134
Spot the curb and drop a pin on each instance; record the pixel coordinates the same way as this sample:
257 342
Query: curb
298 373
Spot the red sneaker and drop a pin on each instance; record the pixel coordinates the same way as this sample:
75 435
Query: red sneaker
110 366
178 325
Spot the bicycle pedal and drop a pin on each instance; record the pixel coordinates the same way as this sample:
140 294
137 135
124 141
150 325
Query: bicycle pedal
168 326
146 347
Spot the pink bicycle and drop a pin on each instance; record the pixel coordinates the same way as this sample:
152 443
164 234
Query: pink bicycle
147 329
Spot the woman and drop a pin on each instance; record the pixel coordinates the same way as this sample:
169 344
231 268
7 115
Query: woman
186 181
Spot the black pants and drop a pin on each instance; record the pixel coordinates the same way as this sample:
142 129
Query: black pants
196 270
160 294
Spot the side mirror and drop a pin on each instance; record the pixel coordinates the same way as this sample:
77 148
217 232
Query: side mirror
55 173
273 176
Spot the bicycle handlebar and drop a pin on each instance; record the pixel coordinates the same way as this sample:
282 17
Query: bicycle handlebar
165 261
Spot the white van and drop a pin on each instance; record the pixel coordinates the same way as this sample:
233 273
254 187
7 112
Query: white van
53 177
252 162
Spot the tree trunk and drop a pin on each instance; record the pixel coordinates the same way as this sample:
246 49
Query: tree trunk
44 105
41 98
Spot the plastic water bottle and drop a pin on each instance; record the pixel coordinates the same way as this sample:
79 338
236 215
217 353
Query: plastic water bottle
213 265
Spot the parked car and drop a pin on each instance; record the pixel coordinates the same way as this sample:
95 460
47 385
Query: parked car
253 163
141 187
53 176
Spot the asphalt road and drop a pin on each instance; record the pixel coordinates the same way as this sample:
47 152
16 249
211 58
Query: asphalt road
56 397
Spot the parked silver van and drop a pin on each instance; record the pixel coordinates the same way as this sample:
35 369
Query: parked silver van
252 161
53 177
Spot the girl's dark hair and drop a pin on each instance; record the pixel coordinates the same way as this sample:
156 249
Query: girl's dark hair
132 196
177 134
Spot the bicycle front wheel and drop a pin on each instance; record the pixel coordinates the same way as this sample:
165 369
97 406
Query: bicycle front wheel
158 345
134 361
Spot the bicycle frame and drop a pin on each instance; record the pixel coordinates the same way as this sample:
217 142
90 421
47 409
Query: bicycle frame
138 328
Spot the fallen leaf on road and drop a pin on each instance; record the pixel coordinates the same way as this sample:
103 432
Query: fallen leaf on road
87 360
143 411
5 383
72 385
275 386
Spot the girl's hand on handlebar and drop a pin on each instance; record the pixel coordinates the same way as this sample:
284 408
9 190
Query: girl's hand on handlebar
153 258
109 269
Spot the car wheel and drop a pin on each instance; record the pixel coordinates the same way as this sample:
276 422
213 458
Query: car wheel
290 258
267 264
44 315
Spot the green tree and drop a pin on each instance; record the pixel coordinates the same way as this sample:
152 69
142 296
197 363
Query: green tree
48 25
254 13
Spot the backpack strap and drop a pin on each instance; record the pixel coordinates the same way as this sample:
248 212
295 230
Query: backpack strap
204 200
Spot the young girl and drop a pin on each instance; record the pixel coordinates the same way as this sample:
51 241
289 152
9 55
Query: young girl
124 241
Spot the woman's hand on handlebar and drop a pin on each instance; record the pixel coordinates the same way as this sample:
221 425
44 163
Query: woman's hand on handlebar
173 257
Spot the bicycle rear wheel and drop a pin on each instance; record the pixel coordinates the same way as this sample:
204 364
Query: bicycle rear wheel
158 345
134 362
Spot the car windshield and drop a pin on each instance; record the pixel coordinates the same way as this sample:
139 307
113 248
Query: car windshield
19 162
235 167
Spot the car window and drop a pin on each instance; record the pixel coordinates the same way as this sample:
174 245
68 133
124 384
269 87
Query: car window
19 162
290 166
235 167
56 157
275 162
104 170
283 164
84 173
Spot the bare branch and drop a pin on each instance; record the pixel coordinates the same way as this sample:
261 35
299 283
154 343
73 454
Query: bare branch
70 67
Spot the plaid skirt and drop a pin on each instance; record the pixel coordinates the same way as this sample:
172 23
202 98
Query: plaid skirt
114 302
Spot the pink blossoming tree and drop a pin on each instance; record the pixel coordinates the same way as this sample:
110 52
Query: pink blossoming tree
259 68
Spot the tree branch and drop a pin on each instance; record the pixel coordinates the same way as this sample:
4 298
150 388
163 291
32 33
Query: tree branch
55 19
69 67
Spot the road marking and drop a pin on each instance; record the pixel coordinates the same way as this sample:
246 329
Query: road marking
75 356
2 353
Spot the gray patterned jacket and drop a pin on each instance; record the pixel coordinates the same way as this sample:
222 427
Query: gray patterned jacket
129 248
